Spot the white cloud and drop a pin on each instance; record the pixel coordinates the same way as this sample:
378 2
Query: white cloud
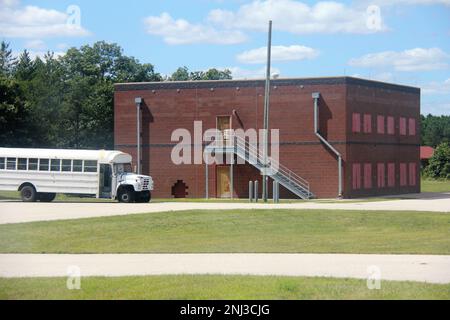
418 59
35 44
298 17
436 87
33 22
436 108
240 73
183 32
279 53
410 2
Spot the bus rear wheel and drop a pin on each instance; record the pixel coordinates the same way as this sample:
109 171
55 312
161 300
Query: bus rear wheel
126 196
28 194
46 197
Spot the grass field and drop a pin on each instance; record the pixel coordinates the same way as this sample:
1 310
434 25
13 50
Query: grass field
237 231
211 287
435 185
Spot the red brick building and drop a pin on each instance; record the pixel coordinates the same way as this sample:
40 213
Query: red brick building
373 125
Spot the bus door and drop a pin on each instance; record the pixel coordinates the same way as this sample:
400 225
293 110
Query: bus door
105 180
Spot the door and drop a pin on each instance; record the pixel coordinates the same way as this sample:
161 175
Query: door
223 182
224 124
105 181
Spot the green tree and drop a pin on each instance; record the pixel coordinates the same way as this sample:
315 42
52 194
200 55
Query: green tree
439 164
7 60
183 74
435 130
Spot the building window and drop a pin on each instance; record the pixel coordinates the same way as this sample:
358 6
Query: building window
356 176
381 175
391 175
33 164
380 124
402 126
22 164
367 123
11 163
412 126
356 122
367 176
412 173
390 125
2 163
403 176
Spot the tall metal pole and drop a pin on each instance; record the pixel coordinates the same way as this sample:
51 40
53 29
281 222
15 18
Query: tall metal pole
266 115
138 102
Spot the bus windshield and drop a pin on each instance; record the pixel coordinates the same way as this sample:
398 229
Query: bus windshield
123 168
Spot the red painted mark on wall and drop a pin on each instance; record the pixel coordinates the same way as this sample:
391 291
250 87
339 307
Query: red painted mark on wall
367 175
412 173
367 123
381 175
402 126
356 122
391 174
356 170
390 125
412 126
403 176
380 124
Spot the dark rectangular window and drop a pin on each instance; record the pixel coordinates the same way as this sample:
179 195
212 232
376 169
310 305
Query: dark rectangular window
11 163
22 164
55 165
77 165
90 166
33 164
43 164
2 163
67 165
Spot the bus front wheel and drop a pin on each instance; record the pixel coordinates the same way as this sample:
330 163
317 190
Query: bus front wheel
126 195
28 194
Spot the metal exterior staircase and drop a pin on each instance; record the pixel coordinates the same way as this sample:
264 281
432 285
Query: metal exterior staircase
275 170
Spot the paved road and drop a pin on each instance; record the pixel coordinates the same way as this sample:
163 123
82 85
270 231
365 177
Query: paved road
423 268
17 212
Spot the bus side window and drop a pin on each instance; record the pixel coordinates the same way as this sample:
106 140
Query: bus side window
55 165
67 165
77 165
2 163
11 163
22 164
90 166
43 164
33 164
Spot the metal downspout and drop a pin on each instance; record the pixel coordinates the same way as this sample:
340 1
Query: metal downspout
316 97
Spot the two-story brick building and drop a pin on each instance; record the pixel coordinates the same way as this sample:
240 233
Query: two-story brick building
374 126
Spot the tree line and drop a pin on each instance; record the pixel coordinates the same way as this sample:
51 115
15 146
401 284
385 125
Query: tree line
67 101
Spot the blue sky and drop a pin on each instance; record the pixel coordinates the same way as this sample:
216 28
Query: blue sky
400 41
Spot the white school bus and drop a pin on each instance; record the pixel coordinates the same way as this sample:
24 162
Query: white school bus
39 174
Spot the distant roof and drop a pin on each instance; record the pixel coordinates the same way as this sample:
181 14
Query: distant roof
103 156
426 152
167 85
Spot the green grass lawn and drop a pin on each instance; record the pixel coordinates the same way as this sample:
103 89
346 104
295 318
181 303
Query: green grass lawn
237 231
211 287
435 185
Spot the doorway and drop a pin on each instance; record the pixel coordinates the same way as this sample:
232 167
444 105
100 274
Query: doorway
224 124
105 180
223 182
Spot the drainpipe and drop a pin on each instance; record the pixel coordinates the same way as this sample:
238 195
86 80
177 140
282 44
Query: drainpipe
138 101
316 97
